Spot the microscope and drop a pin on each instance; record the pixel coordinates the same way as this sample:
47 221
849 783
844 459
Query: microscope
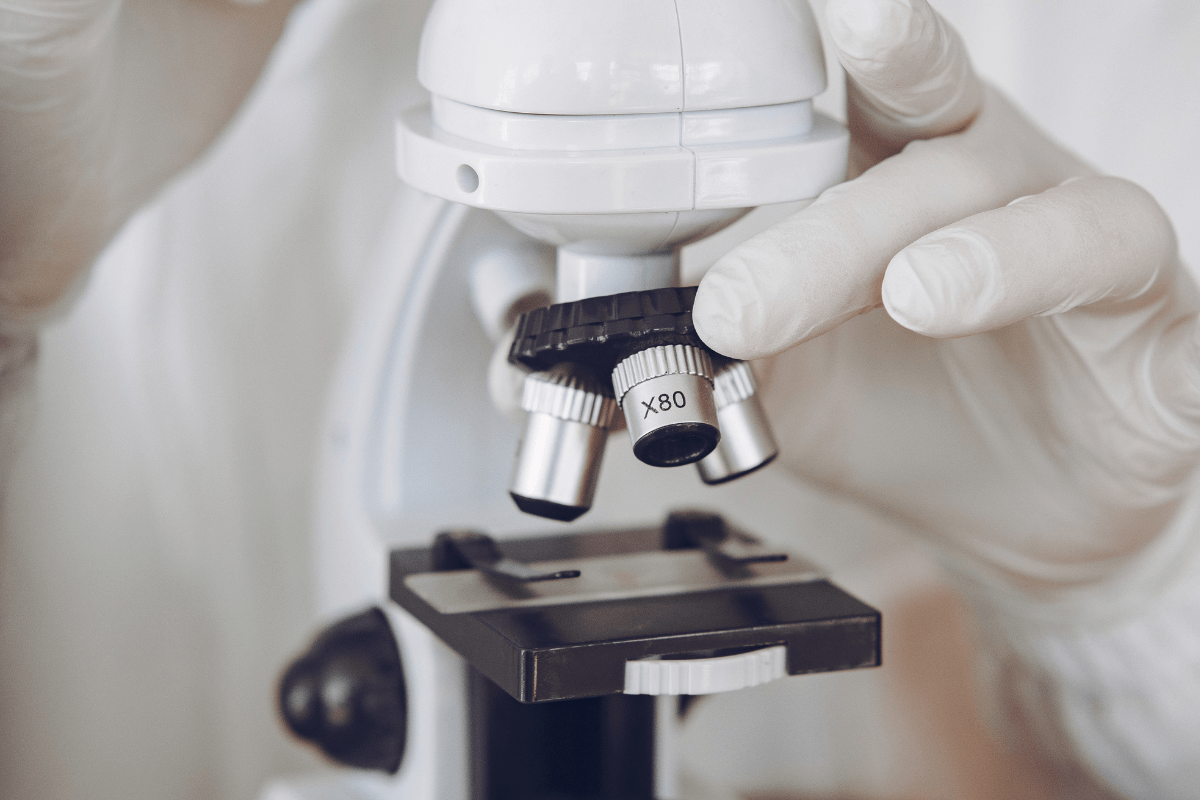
568 155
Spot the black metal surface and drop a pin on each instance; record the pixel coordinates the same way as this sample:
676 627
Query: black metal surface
347 696
475 550
600 331
548 508
579 649
677 444
598 748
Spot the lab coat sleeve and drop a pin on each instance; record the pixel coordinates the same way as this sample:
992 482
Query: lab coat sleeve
1109 703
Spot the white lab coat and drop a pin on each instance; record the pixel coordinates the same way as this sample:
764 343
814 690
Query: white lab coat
154 554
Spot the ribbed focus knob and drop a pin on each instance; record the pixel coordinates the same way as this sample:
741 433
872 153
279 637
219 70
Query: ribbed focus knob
569 397
600 331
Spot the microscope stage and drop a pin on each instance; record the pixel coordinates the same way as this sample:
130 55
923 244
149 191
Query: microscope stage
637 596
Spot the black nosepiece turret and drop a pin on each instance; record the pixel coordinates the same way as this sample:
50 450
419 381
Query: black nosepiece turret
347 695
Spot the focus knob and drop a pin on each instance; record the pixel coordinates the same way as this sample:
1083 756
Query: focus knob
711 675
347 696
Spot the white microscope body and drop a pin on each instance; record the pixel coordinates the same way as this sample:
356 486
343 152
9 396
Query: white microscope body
569 150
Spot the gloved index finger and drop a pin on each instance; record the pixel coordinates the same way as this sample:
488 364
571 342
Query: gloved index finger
811 272
908 73
1095 241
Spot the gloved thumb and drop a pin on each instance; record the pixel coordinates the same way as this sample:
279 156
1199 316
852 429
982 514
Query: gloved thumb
908 75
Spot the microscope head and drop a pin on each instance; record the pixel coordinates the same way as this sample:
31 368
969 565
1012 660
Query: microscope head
683 111
621 57
618 131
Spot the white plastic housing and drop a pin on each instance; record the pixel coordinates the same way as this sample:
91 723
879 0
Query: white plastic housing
585 57
508 281
721 173
607 107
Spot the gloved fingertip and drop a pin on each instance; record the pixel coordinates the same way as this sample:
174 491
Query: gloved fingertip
716 314
943 286
867 29
904 294
727 311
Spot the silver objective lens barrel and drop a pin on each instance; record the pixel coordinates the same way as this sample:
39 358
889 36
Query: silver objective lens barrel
558 461
746 439
666 393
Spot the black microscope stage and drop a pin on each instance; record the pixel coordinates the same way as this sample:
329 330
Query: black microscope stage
557 617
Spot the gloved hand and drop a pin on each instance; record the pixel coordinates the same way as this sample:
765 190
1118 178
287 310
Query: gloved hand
101 102
1030 395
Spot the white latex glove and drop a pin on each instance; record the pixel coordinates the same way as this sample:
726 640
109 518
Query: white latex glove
1028 396
1031 398
101 102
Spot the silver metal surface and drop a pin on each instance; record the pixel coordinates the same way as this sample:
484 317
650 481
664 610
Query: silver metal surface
567 395
747 442
559 461
733 382
654 362
677 407
624 576
666 395
666 748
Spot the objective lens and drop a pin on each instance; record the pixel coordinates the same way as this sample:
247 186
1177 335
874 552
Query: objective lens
746 439
666 393
558 462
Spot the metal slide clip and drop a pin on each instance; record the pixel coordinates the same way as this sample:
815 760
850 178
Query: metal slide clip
474 550
708 532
